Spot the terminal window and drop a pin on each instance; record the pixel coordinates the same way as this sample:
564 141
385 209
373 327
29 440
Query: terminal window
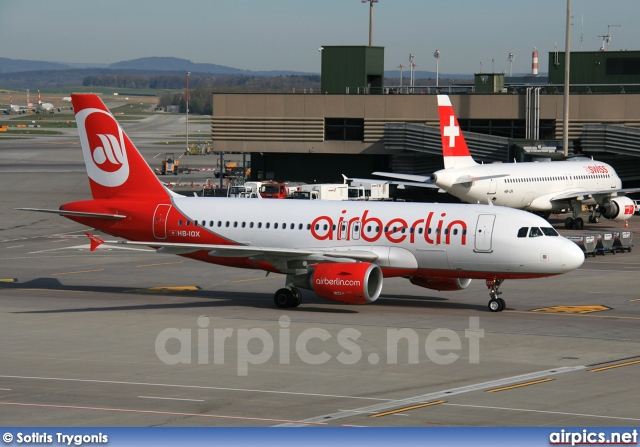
344 129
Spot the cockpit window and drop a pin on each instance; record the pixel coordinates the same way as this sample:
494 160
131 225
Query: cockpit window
522 232
549 231
535 232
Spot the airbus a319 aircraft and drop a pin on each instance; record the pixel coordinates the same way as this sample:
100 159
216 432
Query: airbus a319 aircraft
533 186
340 250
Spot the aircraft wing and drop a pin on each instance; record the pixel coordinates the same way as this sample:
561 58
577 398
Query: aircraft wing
266 253
421 181
469 178
75 213
581 195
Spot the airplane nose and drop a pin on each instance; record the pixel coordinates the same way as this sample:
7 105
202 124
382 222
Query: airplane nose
572 256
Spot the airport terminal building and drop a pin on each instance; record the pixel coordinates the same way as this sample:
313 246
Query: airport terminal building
355 125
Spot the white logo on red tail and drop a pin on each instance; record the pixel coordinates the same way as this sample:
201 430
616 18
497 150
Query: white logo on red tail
103 147
452 131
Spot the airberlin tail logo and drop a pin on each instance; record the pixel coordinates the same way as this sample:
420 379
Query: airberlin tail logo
103 147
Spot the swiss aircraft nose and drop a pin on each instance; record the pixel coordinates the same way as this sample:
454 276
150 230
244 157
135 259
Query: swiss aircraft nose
572 256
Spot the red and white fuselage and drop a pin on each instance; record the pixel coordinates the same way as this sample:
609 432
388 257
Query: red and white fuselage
341 250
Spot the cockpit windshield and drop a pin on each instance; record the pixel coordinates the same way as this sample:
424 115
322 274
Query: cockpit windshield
537 232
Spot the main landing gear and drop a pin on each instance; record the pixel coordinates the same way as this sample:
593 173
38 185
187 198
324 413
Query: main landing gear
287 297
496 304
575 222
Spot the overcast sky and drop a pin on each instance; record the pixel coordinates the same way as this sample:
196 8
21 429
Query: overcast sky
286 34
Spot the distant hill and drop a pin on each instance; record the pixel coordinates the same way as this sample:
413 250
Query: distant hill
146 64
174 64
17 65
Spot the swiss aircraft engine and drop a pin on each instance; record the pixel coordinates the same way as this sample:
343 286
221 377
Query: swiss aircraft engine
442 284
618 208
351 283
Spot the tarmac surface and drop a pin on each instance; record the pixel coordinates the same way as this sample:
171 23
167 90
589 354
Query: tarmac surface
128 337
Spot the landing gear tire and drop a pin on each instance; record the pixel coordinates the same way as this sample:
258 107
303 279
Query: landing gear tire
568 223
297 297
578 223
284 298
497 305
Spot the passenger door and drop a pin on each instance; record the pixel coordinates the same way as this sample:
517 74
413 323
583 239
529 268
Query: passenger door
484 232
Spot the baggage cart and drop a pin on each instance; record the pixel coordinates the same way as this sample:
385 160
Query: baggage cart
587 242
605 243
622 240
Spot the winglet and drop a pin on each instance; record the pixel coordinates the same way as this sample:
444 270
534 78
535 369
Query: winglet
95 241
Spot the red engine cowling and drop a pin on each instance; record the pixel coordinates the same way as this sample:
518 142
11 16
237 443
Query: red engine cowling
618 208
351 283
442 284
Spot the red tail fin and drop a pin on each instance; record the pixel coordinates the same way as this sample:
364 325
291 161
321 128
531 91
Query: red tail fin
454 147
115 167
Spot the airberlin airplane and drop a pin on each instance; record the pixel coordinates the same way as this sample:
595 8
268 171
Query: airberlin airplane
341 250
533 186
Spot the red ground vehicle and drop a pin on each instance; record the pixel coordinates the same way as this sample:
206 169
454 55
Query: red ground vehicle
273 190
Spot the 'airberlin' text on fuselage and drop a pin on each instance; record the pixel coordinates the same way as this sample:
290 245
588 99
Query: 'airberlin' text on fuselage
396 230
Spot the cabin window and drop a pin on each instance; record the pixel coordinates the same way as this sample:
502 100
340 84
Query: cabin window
188 223
275 226
267 225
235 225
180 223
259 224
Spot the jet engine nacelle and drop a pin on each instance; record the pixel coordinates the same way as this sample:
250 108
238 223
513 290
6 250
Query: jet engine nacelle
442 284
351 283
618 208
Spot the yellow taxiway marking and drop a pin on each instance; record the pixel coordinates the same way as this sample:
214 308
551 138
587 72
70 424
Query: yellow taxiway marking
73 273
413 407
8 280
637 299
520 385
604 368
162 263
560 314
572 309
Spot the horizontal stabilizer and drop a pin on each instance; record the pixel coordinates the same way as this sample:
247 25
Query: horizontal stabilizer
75 213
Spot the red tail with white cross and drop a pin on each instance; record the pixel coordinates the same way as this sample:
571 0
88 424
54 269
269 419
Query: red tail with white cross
454 147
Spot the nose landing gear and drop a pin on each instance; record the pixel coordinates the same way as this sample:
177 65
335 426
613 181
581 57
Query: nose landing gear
496 304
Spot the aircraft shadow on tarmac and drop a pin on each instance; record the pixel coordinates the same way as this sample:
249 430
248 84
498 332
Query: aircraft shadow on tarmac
223 298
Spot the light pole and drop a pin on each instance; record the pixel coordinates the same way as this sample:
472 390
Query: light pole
371 2
437 56
511 58
565 109
187 97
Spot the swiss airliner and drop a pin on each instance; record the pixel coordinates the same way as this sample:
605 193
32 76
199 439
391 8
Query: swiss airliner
532 186
340 250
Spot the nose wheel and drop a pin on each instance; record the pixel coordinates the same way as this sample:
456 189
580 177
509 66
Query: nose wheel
496 304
